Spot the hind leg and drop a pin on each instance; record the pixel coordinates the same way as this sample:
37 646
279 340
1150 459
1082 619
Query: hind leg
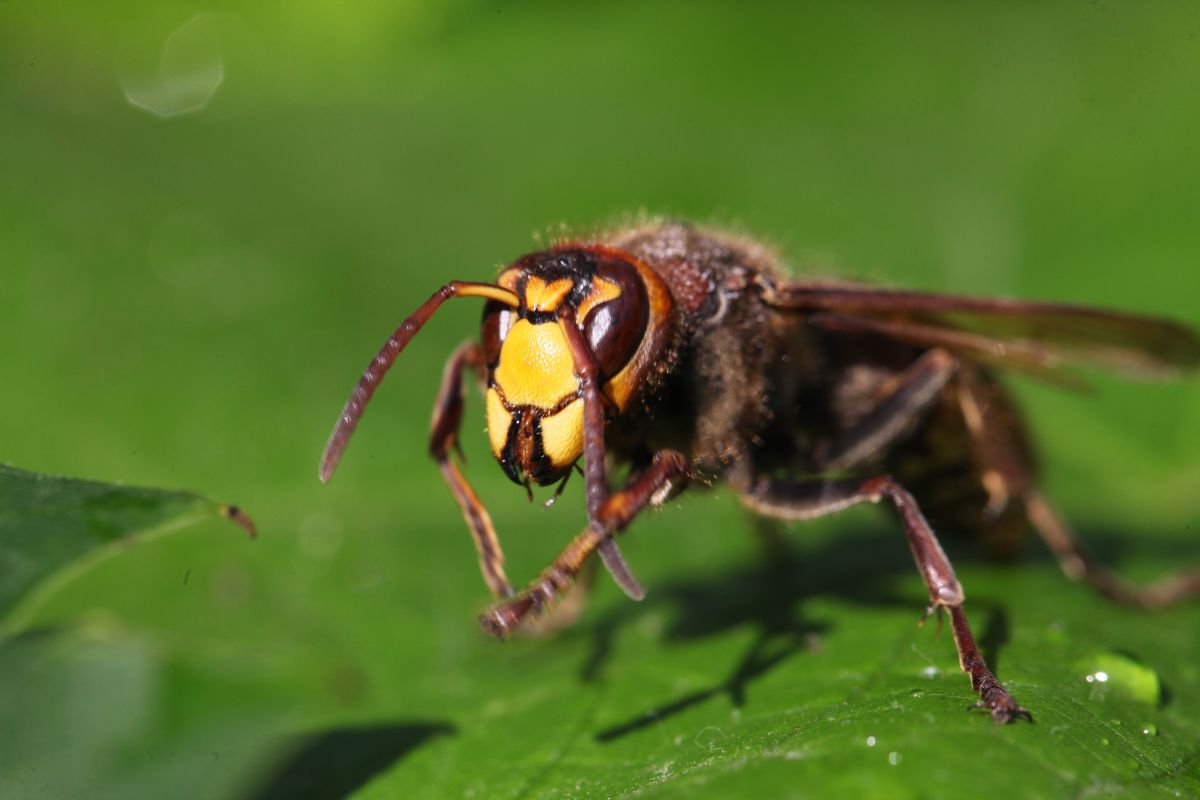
1007 475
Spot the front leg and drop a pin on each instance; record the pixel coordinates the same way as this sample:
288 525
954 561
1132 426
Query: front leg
443 437
668 471
799 500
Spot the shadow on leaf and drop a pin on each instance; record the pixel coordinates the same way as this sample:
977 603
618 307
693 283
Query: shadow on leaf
857 565
767 595
860 565
336 763
995 635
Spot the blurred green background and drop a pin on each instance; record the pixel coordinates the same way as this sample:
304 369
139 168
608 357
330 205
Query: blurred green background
212 216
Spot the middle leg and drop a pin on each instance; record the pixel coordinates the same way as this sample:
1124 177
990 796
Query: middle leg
905 399
802 500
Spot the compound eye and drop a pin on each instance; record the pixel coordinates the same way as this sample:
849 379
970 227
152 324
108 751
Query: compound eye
497 320
615 325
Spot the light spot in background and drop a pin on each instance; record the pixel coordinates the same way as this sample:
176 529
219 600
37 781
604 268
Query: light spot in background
321 536
184 250
232 585
651 626
190 70
100 625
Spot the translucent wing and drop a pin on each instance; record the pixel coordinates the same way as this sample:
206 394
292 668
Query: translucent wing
1026 335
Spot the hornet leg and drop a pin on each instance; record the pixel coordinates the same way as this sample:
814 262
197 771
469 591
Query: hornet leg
666 472
800 500
443 436
911 394
1007 474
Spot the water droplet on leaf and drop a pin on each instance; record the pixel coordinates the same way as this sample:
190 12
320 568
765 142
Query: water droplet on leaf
1124 674
709 738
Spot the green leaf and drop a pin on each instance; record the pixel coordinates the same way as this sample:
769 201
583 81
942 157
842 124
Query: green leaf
189 300
761 677
95 712
95 709
52 528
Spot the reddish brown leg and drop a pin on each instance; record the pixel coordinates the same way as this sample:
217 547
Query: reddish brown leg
566 608
799 500
1079 565
1006 473
443 437
911 394
666 473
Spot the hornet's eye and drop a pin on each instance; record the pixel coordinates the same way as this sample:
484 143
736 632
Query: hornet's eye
615 315
497 319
